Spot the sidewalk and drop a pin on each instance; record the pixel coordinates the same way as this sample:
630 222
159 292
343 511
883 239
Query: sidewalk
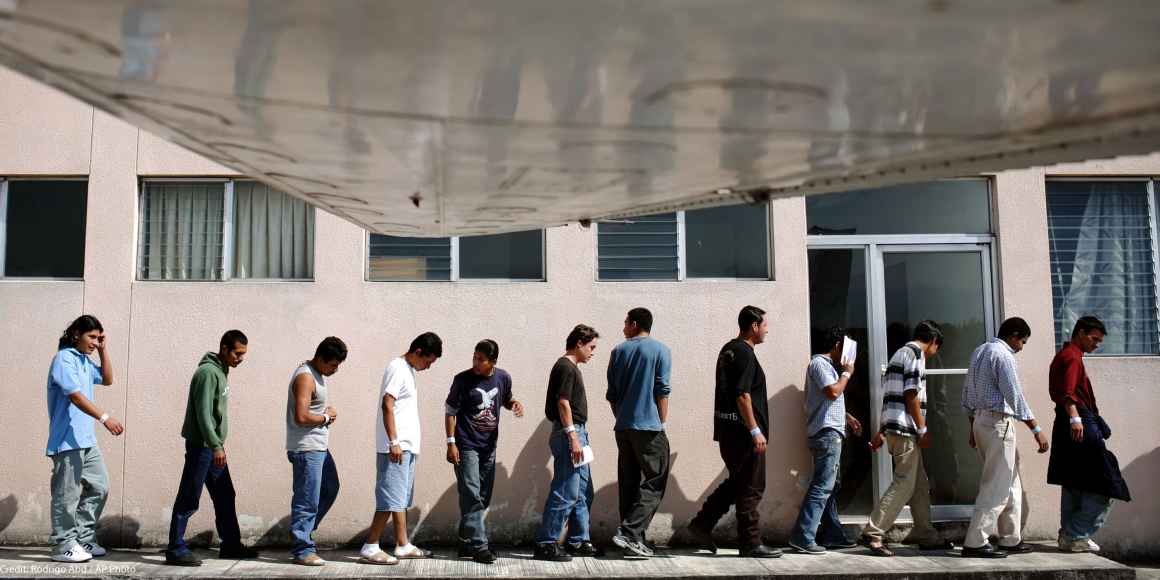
1044 563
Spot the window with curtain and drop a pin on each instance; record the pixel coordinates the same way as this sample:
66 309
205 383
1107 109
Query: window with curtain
729 242
183 232
1103 261
510 256
43 224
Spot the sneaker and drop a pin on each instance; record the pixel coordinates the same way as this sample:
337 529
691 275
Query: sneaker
842 544
551 552
236 552
760 551
702 538
484 556
95 549
1084 545
810 549
984 551
183 559
633 547
411 552
310 560
583 550
73 555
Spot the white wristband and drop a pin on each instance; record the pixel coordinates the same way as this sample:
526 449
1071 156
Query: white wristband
570 429
325 420
754 432
1036 429
450 440
1075 421
921 431
104 417
846 374
392 443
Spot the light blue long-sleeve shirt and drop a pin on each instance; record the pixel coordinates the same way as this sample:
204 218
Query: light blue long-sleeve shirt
639 372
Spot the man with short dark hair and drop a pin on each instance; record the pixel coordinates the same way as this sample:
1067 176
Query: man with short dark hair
826 424
309 418
397 450
205 429
740 425
570 497
1080 460
903 431
994 401
639 384
472 411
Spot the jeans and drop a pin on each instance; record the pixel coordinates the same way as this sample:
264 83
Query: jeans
818 517
743 488
571 494
643 473
80 485
199 472
1082 513
315 484
475 478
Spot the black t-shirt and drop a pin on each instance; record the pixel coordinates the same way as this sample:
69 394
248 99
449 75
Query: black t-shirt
566 382
738 372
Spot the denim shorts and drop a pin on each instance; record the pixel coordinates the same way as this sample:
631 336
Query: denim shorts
394 482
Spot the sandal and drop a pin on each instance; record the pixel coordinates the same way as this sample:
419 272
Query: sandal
379 558
411 552
877 549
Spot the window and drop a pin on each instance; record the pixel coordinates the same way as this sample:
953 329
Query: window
512 256
953 206
218 230
721 242
1103 260
42 228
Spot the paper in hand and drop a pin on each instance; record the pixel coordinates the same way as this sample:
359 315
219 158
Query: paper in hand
588 457
849 350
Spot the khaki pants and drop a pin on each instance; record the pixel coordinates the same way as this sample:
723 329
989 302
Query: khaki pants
999 505
909 485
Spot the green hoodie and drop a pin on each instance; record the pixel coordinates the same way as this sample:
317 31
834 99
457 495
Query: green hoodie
206 414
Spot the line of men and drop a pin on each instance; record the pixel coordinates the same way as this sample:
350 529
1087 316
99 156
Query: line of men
639 386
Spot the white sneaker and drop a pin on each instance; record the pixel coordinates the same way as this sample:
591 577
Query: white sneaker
95 549
74 555
1085 545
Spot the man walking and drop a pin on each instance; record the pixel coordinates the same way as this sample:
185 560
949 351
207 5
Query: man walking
639 384
1080 460
472 422
397 445
994 401
903 430
826 423
570 497
80 481
740 425
309 418
205 429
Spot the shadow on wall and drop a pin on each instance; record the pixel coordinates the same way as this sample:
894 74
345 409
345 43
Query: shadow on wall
119 532
8 508
1131 530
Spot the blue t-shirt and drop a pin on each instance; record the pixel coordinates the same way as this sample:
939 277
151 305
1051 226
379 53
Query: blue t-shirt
821 411
639 372
475 402
69 427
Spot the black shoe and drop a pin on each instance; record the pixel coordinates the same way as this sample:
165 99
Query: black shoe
551 553
583 550
1020 548
937 545
842 544
238 552
760 551
484 556
702 538
984 551
466 551
182 559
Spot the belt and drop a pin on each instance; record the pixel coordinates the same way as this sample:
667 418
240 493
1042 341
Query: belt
998 414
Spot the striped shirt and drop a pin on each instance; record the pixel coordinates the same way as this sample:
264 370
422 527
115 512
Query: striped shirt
993 382
906 372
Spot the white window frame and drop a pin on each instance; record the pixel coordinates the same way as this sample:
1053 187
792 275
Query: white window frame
4 181
682 259
228 236
1154 230
455 265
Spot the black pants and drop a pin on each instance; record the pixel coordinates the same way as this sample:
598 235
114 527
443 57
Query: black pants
643 472
743 488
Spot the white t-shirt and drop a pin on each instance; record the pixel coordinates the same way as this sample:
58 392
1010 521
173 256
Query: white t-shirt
399 382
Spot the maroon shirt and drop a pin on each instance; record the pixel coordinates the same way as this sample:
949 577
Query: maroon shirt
1068 382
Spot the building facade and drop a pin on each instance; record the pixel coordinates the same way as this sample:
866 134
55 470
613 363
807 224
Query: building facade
170 250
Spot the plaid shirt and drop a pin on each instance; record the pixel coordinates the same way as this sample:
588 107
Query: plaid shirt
992 382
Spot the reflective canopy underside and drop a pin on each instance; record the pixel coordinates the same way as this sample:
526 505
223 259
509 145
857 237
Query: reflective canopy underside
464 117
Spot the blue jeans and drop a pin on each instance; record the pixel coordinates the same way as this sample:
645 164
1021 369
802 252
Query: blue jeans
475 478
818 518
197 473
571 494
315 489
1081 513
